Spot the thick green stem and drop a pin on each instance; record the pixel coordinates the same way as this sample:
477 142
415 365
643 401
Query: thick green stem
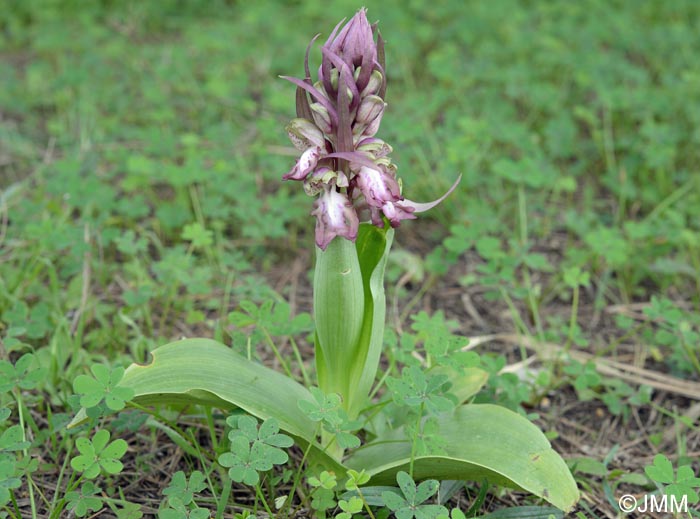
339 305
350 309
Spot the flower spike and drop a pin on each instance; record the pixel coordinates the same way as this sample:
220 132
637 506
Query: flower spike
338 116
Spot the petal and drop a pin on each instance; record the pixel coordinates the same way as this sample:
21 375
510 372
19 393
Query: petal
370 108
376 147
395 212
335 216
316 181
378 186
316 94
308 160
305 165
294 174
422 207
304 134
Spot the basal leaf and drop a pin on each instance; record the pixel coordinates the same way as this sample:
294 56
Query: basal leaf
207 372
481 442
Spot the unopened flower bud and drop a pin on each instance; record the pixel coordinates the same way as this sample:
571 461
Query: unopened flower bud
304 134
370 108
375 83
385 163
354 40
321 117
356 74
318 85
373 126
334 78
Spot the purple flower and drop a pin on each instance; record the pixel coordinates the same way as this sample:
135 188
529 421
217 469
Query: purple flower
338 116
335 216
378 186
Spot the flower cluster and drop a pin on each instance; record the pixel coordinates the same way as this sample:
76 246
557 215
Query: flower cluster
342 162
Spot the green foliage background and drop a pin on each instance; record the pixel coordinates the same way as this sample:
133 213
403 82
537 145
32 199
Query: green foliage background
142 146
144 142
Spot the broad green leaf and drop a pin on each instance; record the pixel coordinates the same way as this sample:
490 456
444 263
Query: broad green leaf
481 441
464 385
207 372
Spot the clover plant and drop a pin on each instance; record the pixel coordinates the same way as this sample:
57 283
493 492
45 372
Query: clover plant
423 428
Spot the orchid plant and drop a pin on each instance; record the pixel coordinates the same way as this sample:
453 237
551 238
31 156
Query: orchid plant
359 202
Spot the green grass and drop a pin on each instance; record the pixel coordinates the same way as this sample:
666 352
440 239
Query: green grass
141 150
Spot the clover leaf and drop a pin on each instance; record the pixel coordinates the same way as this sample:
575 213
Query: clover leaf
19 375
98 454
177 510
326 408
245 462
267 435
325 480
322 407
129 511
254 449
414 388
84 501
8 479
182 489
12 439
681 483
350 507
410 505
356 479
103 387
661 471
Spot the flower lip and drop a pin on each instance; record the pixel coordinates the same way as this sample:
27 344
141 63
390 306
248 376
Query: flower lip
335 216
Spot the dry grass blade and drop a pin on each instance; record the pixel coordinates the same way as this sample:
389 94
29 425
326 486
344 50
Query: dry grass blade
606 366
